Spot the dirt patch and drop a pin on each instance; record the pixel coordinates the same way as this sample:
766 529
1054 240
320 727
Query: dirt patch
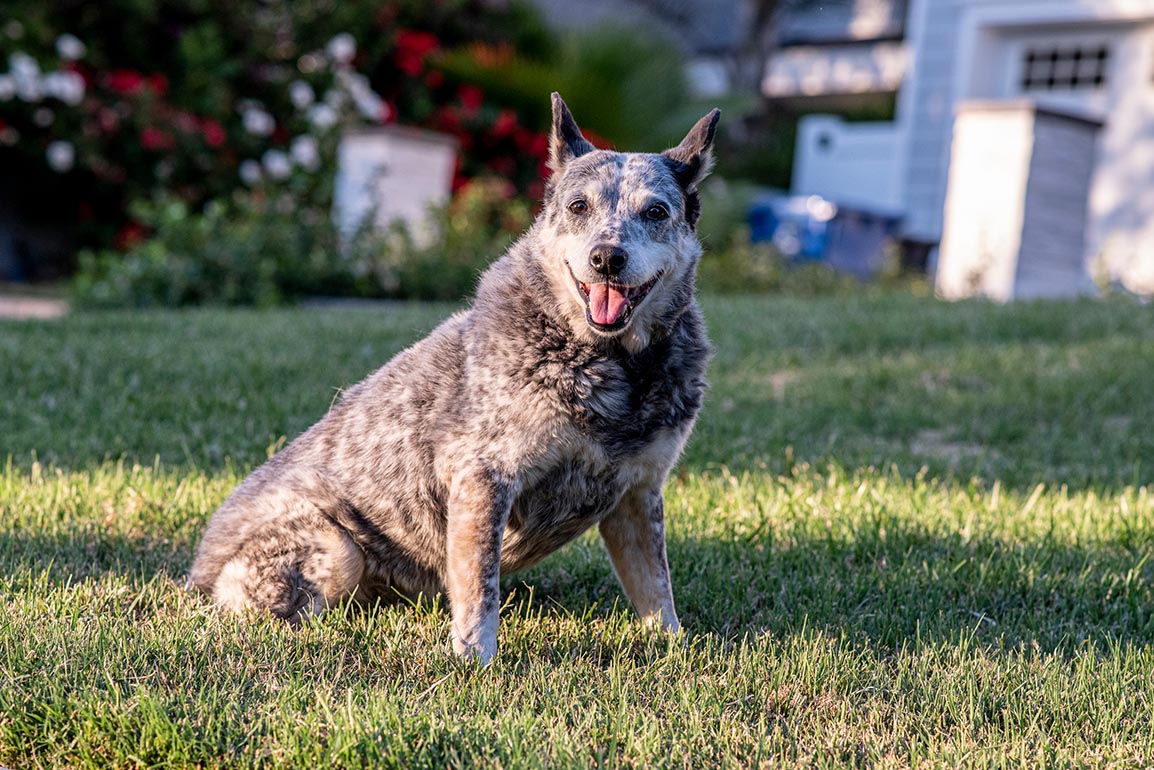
19 308
939 445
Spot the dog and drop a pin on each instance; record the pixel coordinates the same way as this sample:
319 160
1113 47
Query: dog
560 399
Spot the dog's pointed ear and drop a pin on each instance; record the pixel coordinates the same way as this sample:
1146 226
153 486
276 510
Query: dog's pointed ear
693 158
566 141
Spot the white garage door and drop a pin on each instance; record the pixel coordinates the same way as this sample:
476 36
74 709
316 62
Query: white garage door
1062 68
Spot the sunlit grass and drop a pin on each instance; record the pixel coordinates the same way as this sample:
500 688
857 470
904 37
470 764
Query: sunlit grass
906 534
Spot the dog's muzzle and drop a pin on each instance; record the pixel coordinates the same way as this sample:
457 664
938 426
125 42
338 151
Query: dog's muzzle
609 306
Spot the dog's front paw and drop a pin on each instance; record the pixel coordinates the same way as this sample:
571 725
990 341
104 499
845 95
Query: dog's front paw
482 651
660 621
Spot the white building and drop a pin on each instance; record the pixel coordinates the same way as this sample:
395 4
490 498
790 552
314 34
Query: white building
1089 60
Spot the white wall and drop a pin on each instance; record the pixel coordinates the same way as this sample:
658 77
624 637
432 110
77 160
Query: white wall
853 164
989 171
992 35
925 114
1015 217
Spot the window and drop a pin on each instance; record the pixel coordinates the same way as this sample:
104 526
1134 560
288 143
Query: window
1056 68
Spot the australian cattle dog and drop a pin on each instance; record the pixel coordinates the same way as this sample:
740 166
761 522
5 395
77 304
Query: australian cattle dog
558 400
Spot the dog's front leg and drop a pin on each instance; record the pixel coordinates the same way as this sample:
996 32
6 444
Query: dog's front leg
634 535
479 505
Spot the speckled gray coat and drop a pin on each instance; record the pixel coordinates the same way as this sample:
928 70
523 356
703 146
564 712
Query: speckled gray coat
559 400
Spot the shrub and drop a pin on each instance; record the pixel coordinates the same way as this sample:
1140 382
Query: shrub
472 231
253 251
258 250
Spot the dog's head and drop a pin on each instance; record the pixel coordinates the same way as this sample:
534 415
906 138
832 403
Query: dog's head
618 230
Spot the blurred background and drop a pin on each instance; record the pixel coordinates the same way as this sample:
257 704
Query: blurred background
183 152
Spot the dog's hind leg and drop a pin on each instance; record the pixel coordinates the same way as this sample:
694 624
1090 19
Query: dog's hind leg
292 570
634 536
276 546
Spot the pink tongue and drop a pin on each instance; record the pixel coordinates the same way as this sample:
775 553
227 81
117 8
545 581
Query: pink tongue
606 303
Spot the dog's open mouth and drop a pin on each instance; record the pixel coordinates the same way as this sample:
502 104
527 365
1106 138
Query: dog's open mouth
609 306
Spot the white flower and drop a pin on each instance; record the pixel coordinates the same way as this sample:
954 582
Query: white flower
301 94
323 117
69 47
250 172
7 88
258 122
336 98
371 106
28 89
342 48
25 72
276 164
61 156
306 152
365 99
22 65
43 117
68 87
71 88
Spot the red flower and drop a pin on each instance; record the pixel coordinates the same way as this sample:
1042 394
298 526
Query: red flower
108 119
532 143
503 166
413 48
435 79
155 139
505 124
158 83
460 181
71 66
214 135
131 234
124 81
471 98
447 119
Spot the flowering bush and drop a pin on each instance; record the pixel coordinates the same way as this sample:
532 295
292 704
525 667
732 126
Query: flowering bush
177 129
252 251
139 100
263 250
474 229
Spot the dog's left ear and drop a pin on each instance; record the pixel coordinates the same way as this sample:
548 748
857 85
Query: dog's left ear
693 158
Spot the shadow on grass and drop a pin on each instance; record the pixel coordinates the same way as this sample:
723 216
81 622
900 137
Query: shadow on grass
885 589
90 555
883 594
882 583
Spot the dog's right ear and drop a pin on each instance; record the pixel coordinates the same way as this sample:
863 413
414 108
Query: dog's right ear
566 142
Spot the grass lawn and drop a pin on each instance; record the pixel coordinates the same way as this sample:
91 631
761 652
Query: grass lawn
906 533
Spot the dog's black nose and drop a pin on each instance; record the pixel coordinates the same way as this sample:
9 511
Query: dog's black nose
607 260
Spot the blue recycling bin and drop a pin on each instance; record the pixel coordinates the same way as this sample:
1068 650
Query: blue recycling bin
809 228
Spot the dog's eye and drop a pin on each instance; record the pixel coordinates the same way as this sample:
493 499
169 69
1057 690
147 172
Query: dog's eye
656 212
578 207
